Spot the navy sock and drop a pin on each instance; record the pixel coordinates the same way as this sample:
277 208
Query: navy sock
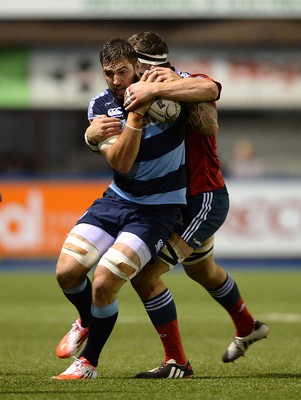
161 308
81 298
102 322
227 294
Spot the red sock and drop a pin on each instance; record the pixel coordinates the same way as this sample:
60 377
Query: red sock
241 317
163 314
171 339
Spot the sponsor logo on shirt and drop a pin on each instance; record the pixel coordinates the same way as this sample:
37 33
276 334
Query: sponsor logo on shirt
115 112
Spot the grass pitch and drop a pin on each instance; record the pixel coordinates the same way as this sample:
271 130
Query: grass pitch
35 315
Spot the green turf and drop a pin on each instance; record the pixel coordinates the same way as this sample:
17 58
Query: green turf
34 316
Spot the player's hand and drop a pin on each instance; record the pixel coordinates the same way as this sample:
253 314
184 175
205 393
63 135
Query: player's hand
146 89
141 94
163 74
103 127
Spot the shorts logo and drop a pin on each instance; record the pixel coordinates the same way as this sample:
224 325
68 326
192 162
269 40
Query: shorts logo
115 112
159 245
197 242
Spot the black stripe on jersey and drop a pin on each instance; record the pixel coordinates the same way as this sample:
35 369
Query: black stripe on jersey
173 181
161 144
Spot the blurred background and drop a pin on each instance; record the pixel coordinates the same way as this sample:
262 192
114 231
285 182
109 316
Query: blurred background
49 71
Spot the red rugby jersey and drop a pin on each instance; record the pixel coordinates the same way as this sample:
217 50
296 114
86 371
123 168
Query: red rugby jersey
203 168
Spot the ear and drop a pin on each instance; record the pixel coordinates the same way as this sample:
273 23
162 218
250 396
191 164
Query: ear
137 67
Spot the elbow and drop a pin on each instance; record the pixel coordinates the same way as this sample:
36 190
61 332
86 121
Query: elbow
207 92
123 167
118 161
213 91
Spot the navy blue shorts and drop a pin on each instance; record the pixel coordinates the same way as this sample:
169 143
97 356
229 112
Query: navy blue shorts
204 214
151 223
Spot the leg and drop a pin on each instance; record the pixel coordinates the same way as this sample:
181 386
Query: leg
77 257
76 286
161 309
202 268
223 289
115 267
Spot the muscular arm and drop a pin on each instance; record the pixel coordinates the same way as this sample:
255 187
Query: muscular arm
123 152
198 93
203 118
188 90
102 127
119 147
169 85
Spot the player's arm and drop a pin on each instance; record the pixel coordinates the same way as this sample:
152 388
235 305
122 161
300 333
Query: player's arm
188 90
102 129
202 115
203 118
123 152
169 85
120 147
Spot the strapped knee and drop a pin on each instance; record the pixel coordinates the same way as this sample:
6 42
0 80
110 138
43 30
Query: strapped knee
85 253
199 254
112 260
170 254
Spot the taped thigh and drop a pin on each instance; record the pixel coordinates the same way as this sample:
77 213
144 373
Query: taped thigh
136 244
170 254
86 254
113 257
112 260
200 254
95 235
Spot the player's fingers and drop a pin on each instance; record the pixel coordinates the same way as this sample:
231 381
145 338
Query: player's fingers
153 76
145 76
98 117
114 127
160 78
130 106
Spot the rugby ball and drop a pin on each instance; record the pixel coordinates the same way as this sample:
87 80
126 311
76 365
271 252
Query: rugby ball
165 110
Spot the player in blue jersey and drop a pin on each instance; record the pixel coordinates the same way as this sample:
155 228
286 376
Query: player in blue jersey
206 210
122 231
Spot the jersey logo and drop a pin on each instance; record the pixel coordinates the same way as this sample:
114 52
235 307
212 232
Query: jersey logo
184 74
115 112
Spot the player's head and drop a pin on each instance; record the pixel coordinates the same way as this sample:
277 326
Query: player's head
119 62
152 50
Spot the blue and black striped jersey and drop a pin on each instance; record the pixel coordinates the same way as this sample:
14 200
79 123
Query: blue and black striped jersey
158 173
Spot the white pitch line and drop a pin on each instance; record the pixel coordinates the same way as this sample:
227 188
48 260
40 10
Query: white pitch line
278 317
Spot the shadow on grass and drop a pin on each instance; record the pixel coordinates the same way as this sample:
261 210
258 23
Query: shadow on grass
255 376
90 387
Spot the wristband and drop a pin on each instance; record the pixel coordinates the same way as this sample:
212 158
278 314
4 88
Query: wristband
135 129
93 147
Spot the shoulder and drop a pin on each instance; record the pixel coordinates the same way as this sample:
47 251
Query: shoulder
105 103
101 97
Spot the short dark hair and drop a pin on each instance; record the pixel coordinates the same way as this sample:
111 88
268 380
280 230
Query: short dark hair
115 50
149 42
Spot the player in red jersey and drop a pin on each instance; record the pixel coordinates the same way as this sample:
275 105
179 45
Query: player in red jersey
193 242
207 208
